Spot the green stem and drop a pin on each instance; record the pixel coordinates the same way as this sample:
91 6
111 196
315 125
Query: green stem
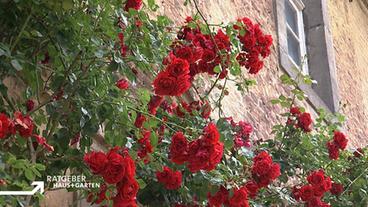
21 31
352 182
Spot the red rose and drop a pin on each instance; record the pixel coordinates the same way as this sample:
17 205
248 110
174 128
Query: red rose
139 120
127 189
167 85
174 80
178 67
206 152
239 198
96 161
211 133
295 111
222 40
133 4
316 177
305 122
145 146
185 53
314 202
122 84
6 126
101 196
221 197
114 169
117 202
24 124
296 193
154 103
30 105
171 179
42 141
129 164
306 192
252 188
178 148
333 150
337 189
340 140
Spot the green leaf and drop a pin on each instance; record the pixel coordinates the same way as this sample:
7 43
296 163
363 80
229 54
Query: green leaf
40 167
141 183
29 174
217 69
15 63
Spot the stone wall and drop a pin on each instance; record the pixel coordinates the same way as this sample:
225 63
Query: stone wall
349 27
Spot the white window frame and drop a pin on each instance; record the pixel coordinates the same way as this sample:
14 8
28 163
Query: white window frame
298 5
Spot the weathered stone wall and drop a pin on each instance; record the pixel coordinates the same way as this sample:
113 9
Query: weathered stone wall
349 27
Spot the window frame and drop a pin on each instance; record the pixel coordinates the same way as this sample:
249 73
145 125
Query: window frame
299 6
326 53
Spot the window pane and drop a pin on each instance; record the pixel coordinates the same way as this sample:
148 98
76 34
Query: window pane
291 17
293 48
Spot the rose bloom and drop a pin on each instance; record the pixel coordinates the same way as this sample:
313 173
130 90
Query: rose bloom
6 126
219 198
239 198
139 120
96 161
340 140
179 148
122 84
252 188
128 189
316 177
337 189
30 105
24 124
305 122
133 4
306 192
114 169
170 178
118 202
333 150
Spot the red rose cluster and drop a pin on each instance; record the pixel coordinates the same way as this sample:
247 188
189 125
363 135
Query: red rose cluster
202 52
255 45
318 185
201 154
118 168
24 125
300 120
264 170
174 80
338 143
242 132
238 199
170 178
145 146
133 4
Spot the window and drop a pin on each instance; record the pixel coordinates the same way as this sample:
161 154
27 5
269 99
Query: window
305 45
295 34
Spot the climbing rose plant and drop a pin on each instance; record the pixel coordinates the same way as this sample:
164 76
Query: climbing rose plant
134 103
